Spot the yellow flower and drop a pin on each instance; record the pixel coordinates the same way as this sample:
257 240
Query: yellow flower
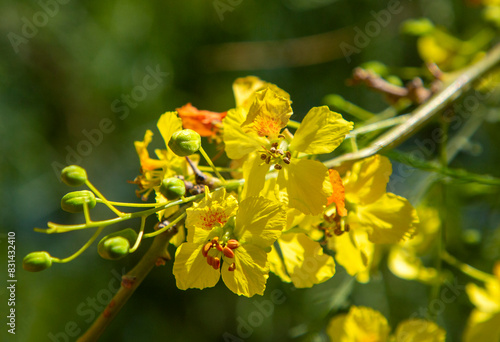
229 240
484 321
362 324
374 217
404 258
302 183
300 260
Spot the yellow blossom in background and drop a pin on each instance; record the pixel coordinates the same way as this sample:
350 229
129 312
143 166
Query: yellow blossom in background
404 258
362 324
301 260
484 321
374 217
235 247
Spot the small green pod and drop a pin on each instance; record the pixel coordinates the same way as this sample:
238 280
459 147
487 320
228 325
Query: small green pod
116 245
73 175
37 261
172 188
185 142
73 202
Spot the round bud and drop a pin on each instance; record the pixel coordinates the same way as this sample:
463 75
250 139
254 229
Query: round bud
73 175
73 202
116 245
37 261
185 142
172 188
114 248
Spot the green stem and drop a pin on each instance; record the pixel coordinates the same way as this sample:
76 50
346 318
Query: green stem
378 125
81 250
139 236
131 205
104 200
221 169
86 212
171 224
155 256
466 269
339 103
458 174
209 161
58 228
426 111
293 124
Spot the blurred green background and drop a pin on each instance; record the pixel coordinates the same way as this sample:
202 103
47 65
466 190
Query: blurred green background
65 70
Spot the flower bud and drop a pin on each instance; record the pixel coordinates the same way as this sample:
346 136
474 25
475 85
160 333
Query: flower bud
185 143
37 261
114 248
417 27
116 245
172 188
73 175
73 202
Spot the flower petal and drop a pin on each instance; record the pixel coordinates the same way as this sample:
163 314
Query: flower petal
360 324
307 183
142 151
212 211
338 194
244 89
277 265
482 327
268 114
368 180
419 330
254 173
168 124
238 142
191 269
304 260
387 220
202 121
251 271
403 263
321 131
355 253
259 221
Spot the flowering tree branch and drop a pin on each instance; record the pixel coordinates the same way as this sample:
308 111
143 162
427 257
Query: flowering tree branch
426 111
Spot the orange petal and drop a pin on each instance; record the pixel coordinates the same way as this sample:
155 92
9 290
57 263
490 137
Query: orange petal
202 121
338 195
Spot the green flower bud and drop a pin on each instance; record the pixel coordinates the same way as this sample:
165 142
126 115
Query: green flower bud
116 245
37 261
73 202
417 27
185 143
73 175
172 188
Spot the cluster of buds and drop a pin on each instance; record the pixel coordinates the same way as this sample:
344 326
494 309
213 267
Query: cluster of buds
224 248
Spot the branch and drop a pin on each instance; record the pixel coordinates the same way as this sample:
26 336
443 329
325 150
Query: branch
426 111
